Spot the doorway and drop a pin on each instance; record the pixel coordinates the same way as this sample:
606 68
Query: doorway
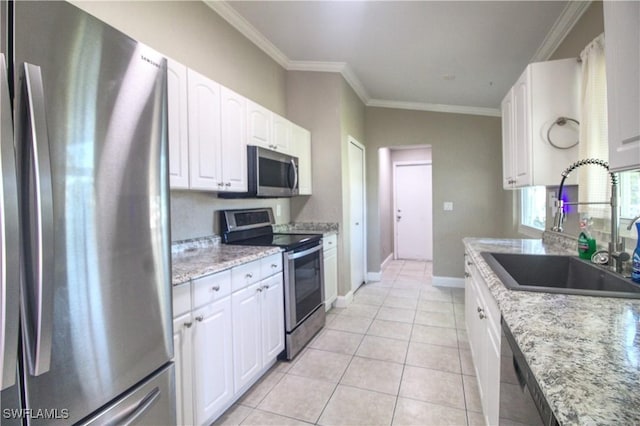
413 210
357 213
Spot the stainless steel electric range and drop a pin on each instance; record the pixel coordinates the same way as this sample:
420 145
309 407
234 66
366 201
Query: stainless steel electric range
303 270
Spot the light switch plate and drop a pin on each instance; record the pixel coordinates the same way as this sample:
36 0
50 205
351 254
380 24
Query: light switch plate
448 206
278 210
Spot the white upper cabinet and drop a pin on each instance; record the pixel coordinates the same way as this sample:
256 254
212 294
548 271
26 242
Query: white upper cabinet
178 125
217 136
258 125
234 141
301 148
622 50
204 133
544 92
281 133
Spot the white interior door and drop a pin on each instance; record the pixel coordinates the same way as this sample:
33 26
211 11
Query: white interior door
413 211
357 188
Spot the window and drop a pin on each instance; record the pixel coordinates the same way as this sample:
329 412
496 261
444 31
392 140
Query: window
533 208
629 194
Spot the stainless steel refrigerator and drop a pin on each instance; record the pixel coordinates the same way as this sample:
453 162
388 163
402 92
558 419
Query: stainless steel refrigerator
86 294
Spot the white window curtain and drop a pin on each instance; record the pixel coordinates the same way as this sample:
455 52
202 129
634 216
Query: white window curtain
593 183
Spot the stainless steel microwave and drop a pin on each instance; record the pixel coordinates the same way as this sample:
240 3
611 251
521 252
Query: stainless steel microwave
271 174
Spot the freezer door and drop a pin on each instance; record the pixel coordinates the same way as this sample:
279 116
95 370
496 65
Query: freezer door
150 403
92 138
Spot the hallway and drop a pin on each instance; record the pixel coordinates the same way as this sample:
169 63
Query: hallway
397 355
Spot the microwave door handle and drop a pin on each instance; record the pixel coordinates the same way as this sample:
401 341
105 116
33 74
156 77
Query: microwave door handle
295 174
9 240
36 189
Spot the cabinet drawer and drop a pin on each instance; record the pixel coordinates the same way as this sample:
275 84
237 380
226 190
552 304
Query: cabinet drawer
181 299
270 265
329 242
211 288
244 275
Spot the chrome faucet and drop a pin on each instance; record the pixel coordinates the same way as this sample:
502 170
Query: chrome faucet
617 255
634 220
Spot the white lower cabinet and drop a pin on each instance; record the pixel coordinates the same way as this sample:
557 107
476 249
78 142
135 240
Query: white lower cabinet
258 328
212 359
330 254
482 318
182 355
224 341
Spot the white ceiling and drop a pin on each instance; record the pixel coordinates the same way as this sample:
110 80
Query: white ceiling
432 55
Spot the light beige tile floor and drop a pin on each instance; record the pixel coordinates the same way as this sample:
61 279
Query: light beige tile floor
398 355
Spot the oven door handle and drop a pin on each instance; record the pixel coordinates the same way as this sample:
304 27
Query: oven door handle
298 255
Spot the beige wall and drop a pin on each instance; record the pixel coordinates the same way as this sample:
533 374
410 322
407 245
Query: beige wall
193 34
467 169
328 107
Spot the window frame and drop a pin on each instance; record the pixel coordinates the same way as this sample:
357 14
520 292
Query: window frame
524 199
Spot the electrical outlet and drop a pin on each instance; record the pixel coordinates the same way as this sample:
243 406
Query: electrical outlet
448 206
278 210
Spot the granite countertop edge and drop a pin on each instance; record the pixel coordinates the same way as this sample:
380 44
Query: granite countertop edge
199 262
584 351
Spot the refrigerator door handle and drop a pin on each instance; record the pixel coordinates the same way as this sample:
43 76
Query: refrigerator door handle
10 240
37 194
143 406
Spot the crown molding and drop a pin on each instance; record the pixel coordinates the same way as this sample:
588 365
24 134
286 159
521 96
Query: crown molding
337 67
237 21
419 106
570 15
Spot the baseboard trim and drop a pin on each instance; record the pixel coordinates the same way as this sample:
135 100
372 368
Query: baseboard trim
344 301
448 282
386 261
374 276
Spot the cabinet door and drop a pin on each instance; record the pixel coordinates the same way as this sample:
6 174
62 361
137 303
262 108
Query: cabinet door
301 148
182 355
234 141
247 329
522 139
204 133
178 125
281 128
213 364
622 27
330 277
258 125
508 140
492 388
272 318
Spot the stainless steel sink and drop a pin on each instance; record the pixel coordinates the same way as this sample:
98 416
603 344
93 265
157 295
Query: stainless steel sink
559 274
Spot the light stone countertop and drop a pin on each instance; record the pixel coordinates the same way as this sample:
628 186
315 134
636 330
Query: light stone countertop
584 351
323 228
198 262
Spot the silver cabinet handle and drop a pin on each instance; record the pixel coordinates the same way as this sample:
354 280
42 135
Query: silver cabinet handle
220 184
227 184
467 275
266 286
274 266
188 324
37 198
469 263
259 289
482 316
199 318
215 288
249 276
480 309
9 235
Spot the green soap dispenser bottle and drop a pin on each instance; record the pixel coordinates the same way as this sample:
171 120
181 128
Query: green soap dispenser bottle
586 242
